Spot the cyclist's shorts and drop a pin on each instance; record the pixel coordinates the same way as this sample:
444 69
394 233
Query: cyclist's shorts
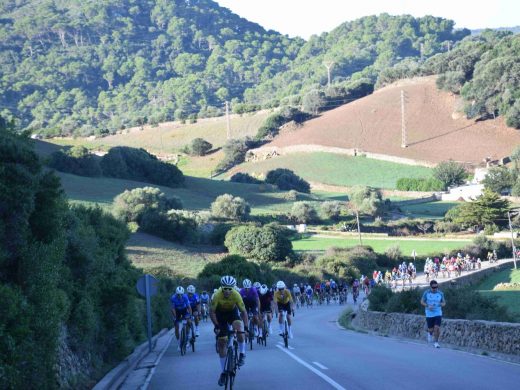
286 307
225 318
181 314
251 307
433 321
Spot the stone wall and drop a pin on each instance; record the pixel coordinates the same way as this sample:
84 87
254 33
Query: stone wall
481 335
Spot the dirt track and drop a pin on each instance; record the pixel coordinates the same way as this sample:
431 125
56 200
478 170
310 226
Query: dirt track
435 131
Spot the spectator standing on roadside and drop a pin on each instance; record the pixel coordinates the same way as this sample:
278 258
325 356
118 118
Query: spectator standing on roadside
433 301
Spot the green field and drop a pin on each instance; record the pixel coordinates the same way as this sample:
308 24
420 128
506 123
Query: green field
509 299
197 194
422 247
430 210
340 170
146 251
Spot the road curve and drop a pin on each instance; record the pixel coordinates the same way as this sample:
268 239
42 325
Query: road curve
322 355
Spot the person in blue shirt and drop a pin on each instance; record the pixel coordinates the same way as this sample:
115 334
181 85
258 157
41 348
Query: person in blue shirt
433 301
195 306
181 309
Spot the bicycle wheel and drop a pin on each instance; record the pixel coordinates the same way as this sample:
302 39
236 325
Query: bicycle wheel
286 336
230 368
192 338
183 341
251 336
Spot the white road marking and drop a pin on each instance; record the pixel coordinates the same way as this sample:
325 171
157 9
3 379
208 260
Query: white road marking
320 365
152 371
327 379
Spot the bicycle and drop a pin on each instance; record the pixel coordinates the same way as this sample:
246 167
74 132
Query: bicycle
184 337
355 294
251 333
204 312
265 331
231 364
285 333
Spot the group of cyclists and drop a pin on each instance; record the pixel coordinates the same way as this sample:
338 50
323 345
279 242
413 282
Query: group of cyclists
233 309
453 265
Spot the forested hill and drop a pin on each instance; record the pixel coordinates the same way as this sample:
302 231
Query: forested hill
95 66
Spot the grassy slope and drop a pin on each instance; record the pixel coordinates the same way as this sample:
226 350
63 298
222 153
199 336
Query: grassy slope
335 169
430 210
146 251
422 247
510 299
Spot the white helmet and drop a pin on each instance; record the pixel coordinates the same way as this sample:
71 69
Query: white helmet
263 289
215 290
179 290
295 284
257 285
191 289
228 281
246 283
280 285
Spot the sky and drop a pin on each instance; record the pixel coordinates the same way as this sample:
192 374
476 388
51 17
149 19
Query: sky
307 17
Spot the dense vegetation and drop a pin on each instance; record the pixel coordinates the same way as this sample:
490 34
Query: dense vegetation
69 310
93 67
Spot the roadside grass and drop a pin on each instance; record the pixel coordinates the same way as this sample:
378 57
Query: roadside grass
340 170
510 298
430 210
345 318
146 251
423 247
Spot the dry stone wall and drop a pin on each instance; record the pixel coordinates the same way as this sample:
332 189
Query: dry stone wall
482 335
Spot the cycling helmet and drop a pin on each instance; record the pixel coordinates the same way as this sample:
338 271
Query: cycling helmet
228 281
215 290
295 284
179 290
246 283
263 289
191 289
280 285
257 285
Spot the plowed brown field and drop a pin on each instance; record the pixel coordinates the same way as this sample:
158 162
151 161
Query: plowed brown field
435 131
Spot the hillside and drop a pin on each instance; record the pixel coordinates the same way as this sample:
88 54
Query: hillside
435 131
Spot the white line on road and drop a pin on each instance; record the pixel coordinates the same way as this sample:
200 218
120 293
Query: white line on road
320 365
152 371
327 379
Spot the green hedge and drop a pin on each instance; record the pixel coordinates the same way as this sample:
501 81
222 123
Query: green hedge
411 184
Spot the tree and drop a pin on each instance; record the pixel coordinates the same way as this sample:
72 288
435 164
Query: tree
498 179
332 209
229 207
450 173
364 200
200 147
303 212
286 180
487 209
132 205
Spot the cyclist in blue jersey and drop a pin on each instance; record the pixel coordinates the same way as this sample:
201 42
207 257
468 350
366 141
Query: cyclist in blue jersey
433 301
195 306
181 309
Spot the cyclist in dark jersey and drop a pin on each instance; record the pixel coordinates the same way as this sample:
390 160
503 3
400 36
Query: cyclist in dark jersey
266 305
251 301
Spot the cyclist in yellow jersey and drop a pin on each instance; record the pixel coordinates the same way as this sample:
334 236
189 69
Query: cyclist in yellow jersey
283 300
227 308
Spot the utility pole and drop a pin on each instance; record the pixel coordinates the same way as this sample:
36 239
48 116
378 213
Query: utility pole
328 65
403 122
512 237
227 120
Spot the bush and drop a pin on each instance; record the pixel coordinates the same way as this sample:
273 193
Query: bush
450 173
332 209
406 301
244 178
303 212
378 298
137 164
291 195
465 303
285 179
234 153
132 205
273 122
229 207
446 227
421 184
394 252
77 161
218 234
171 225
267 243
238 267
200 147
348 263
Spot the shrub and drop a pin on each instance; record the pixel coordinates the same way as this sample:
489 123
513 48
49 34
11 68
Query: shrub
332 209
137 164
450 173
406 301
421 184
132 205
244 178
234 153
218 234
229 207
172 225
378 298
394 252
273 122
348 263
303 212
236 266
446 227
267 243
200 147
285 179
465 303
77 161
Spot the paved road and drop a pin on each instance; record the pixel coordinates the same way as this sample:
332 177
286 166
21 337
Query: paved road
322 355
